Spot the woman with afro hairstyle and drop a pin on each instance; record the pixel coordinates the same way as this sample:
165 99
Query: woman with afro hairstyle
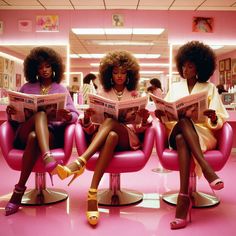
43 70
196 63
119 76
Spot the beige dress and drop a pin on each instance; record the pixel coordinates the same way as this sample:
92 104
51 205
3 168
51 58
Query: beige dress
133 130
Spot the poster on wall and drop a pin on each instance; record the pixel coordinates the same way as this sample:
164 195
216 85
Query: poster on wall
18 80
5 81
233 65
47 23
117 20
1 27
202 24
25 25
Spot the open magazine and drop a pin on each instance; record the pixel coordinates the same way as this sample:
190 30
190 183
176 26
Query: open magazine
27 104
194 104
123 111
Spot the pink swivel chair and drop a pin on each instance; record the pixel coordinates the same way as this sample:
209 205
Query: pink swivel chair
40 195
216 158
122 162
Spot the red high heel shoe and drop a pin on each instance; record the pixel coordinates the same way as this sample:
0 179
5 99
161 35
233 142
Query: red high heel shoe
12 207
179 223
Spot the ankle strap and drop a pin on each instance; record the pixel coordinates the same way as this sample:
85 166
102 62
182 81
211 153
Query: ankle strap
19 189
46 155
81 159
93 190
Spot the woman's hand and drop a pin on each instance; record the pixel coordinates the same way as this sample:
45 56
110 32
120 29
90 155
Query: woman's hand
159 114
87 115
65 114
211 114
144 114
10 110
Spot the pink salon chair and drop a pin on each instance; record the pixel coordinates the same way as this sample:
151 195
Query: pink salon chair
216 158
122 162
40 195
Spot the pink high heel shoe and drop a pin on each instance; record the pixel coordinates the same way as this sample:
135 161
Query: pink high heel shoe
11 207
50 164
217 184
179 223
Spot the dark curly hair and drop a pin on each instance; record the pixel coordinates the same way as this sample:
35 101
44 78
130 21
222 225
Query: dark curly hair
36 57
119 58
201 55
156 83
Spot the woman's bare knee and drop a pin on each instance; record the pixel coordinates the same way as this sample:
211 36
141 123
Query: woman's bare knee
32 137
113 136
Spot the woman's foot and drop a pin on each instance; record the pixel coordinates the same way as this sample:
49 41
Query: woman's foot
92 210
75 168
15 201
183 209
49 162
214 181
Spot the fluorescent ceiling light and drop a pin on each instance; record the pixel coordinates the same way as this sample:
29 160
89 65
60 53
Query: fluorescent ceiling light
147 55
216 46
120 42
102 55
113 31
152 31
154 64
151 72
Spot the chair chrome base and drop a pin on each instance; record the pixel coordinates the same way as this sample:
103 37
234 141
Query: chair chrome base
200 199
43 197
123 197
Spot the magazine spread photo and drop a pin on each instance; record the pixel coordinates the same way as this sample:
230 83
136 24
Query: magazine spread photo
27 104
123 111
194 105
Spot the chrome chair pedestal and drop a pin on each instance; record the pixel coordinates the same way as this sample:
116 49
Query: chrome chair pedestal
114 196
42 195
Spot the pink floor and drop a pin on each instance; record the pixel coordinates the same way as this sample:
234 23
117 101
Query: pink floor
150 217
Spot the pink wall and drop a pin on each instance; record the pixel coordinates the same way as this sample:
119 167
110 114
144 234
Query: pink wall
177 23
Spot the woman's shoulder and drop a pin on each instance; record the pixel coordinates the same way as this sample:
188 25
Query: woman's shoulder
29 88
59 88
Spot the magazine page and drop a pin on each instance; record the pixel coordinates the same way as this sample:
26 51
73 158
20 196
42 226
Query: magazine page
124 111
192 106
27 104
103 108
127 110
51 103
24 104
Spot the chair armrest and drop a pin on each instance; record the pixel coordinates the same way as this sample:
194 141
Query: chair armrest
7 135
69 139
148 141
80 139
225 139
161 139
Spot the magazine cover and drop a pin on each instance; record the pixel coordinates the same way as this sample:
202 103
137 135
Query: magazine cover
123 111
27 104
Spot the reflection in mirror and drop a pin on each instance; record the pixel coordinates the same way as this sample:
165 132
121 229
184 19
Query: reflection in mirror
86 51
11 64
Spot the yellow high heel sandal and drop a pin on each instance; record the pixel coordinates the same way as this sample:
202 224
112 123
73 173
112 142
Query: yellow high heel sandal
92 216
64 172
